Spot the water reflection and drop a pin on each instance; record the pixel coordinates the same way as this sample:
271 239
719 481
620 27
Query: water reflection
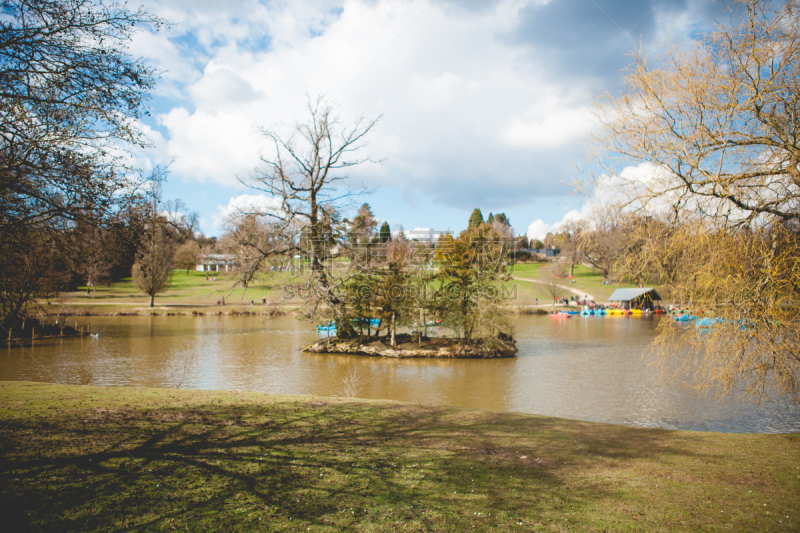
587 368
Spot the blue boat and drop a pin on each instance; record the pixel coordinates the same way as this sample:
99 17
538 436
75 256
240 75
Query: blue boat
684 318
326 330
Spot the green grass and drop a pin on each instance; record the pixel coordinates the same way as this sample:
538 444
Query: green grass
587 279
112 459
191 289
195 290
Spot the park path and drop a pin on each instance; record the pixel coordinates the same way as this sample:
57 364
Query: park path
582 294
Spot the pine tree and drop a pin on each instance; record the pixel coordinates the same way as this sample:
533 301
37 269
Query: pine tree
476 218
490 220
385 232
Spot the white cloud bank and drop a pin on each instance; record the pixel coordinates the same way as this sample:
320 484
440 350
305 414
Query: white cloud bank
480 104
632 182
460 105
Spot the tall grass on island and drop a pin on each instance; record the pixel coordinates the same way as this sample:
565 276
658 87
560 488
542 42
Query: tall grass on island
118 459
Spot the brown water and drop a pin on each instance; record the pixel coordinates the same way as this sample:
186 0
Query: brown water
588 368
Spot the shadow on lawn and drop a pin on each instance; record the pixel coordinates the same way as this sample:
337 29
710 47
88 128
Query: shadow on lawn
332 464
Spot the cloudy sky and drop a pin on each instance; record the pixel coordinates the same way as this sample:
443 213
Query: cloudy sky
483 104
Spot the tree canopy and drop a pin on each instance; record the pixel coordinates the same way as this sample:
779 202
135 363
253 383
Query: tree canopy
476 218
70 101
704 148
385 232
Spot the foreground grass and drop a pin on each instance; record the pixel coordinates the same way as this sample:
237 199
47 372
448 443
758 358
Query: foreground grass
91 458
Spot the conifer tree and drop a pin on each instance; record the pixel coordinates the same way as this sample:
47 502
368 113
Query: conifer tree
385 232
476 218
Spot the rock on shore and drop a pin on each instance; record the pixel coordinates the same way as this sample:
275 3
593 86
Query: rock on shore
408 347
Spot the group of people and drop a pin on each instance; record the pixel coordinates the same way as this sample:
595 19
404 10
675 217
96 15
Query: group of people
566 301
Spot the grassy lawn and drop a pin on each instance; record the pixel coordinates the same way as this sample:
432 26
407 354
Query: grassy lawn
195 289
111 459
191 289
587 279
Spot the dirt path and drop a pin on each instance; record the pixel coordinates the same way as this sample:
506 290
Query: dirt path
570 289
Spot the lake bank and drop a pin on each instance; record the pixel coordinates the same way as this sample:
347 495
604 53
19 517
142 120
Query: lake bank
97 458
277 309
138 309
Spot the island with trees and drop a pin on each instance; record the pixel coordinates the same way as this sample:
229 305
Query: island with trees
402 284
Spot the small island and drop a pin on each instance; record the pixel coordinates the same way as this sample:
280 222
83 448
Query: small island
407 346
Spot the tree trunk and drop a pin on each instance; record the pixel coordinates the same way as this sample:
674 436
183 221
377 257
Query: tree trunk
152 297
394 345
419 329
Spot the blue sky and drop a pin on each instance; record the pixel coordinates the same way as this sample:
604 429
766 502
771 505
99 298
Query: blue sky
483 104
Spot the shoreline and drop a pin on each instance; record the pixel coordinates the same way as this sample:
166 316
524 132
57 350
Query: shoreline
406 347
179 309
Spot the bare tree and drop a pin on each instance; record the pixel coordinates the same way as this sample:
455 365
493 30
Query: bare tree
717 125
93 263
603 241
187 256
306 171
152 272
178 215
551 276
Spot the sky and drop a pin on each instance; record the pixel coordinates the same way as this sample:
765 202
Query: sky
481 104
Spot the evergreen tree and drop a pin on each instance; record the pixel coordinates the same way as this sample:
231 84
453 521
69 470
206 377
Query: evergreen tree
385 232
490 220
501 218
476 218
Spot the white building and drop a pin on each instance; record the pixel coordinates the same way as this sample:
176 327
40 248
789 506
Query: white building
216 262
423 235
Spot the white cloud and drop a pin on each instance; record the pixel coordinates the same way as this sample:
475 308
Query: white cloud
456 101
248 204
538 229
484 103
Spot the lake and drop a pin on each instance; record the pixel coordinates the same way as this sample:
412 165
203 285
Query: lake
587 368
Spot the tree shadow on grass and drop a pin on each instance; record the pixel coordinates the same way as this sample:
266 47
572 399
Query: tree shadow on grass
338 466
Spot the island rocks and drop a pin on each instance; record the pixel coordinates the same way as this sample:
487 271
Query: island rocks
441 348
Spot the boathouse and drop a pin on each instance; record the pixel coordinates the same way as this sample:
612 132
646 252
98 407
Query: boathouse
643 298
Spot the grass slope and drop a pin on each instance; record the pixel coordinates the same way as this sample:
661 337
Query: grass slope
90 458
185 291
587 279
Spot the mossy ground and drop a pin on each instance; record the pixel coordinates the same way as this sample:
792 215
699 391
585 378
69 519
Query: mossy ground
119 459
